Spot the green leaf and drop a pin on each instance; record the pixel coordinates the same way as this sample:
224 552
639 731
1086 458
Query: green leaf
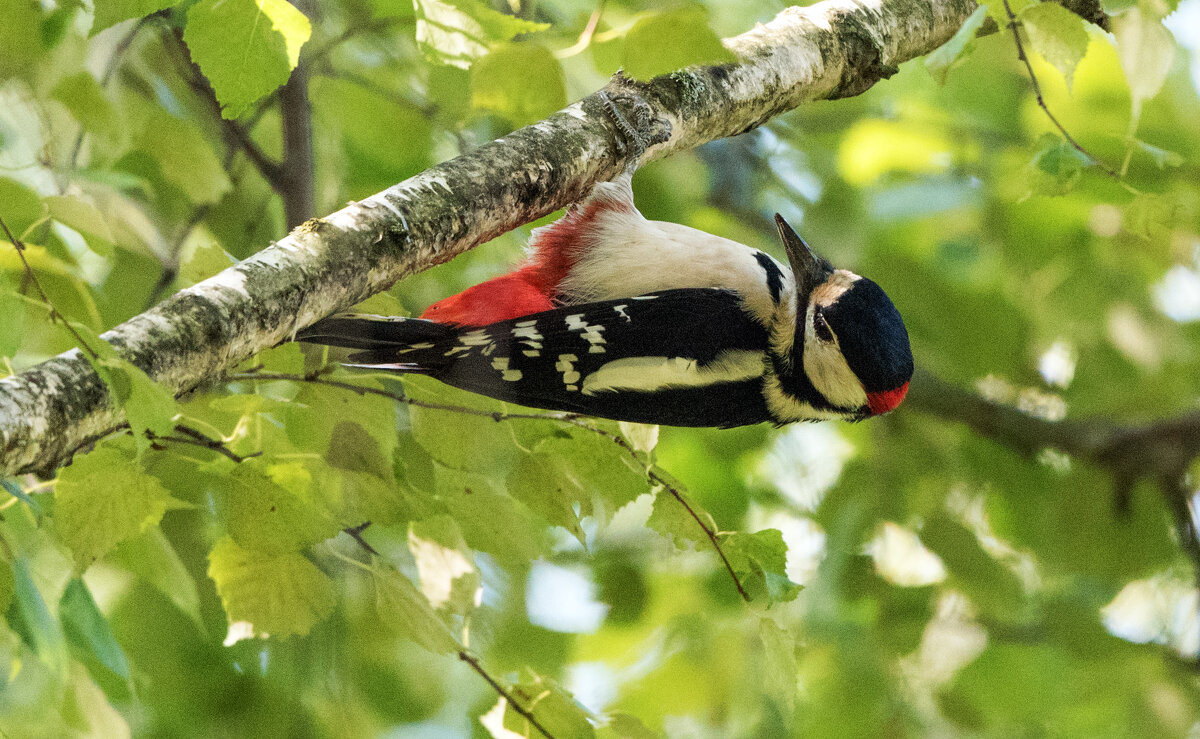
553 707
112 12
12 331
272 509
1057 34
22 206
87 629
578 470
30 618
1057 167
449 579
246 48
524 98
494 446
760 562
1150 215
545 484
404 608
148 406
664 42
986 581
151 557
946 57
491 521
670 518
780 674
269 594
103 498
184 156
7 585
204 262
1146 49
84 218
457 32
82 95
20 43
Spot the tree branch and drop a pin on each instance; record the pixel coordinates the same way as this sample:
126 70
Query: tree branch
833 49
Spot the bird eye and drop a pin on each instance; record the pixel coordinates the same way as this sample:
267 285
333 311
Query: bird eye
822 328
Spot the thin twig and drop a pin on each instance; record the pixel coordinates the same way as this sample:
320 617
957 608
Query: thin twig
1013 25
573 419
198 438
473 661
110 69
355 533
585 38
54 313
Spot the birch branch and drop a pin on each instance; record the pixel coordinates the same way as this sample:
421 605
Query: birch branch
834 49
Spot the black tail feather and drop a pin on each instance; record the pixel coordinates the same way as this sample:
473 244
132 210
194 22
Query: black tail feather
381 334
386 342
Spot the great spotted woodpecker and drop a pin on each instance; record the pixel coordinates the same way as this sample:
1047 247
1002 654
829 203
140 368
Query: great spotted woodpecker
619 317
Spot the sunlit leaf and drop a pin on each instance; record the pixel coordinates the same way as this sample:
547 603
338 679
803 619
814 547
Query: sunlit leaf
1146 49
104 498
525 98
272 594
246 48
457 32
20 45
404 608
663 42
148 405
948 55
553 707
1057 34
111 12
274 508
760 562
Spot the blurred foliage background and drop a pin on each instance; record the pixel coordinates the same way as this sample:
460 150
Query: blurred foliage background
951 586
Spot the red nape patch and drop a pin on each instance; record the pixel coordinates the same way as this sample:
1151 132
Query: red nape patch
887 400
499 299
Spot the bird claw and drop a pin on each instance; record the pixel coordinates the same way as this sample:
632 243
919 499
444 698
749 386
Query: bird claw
638 128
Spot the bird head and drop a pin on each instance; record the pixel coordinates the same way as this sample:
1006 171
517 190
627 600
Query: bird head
849 342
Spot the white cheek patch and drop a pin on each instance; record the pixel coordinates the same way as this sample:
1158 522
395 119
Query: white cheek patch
828 371
647 374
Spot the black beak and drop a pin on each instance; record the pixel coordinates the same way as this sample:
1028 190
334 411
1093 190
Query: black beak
809 268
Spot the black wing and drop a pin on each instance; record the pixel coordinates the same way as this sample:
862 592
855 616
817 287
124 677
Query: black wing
688 357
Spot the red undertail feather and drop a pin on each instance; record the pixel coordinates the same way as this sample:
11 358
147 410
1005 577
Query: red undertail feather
533 287
499 299
887 400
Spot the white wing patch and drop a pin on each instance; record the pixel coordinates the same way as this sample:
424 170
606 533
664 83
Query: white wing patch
592 333
470 340
620 309
526 332
500 364
648 374
566 365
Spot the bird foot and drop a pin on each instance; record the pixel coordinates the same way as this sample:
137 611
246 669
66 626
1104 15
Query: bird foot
637 128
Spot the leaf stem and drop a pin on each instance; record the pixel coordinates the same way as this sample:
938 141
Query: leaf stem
473 661
55 315
1014 25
